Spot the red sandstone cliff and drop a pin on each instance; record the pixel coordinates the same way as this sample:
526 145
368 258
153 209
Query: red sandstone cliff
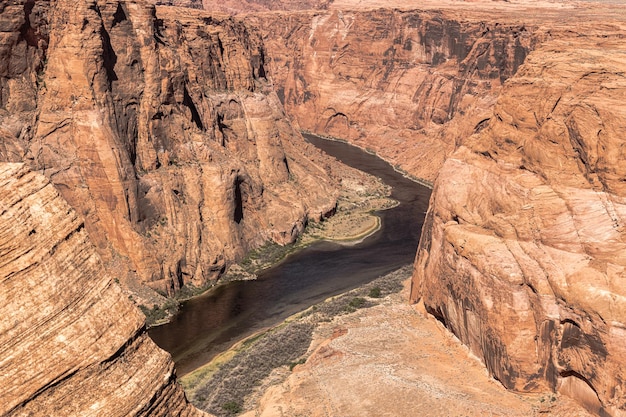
407 84
71 344
523 255
137 120
159 127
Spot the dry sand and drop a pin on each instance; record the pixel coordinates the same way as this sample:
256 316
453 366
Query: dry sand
394 360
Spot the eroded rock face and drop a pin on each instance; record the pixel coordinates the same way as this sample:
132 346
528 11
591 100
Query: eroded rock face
523 254
409 85
70 341
159 127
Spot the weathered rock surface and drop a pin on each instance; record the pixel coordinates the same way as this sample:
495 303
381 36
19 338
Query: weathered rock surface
159 127
71 343
247 6
523 255
407 84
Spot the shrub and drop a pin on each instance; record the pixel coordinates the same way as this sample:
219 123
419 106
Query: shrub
232 407
374 293
238 377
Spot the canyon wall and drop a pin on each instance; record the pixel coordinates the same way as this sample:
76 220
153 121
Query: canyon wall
71 343
410 85
523 254
159 127
246 6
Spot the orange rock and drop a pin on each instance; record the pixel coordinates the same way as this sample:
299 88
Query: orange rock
160 128
71 341
523 253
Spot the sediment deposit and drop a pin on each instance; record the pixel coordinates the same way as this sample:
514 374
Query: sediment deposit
522 256
161 127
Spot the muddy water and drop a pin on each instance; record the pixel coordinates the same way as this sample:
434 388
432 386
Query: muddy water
211 323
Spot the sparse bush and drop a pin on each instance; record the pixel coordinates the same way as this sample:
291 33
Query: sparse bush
157 313
374 292
296 363
355 304
283 346
238 377
232 407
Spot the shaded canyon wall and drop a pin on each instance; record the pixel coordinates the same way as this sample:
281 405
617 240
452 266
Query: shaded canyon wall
522 256
409 85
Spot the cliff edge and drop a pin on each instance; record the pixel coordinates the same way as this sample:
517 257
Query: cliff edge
159 126
523 254
71 343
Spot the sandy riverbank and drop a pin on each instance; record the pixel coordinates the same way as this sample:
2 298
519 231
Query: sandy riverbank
383 358
361 196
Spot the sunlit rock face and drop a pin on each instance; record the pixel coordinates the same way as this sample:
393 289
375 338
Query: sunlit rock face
523 253
407 84
71 343
159 127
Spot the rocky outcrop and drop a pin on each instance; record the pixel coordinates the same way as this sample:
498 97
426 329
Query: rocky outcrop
523 254
71 343
406 84
159 127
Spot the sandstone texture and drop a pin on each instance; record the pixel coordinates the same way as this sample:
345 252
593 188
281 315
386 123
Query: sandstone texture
523 254
71 343
407 84
234 7
159 127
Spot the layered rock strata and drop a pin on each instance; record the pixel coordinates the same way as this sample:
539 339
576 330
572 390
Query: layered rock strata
407 84
523 254
71 343
159 127
246 6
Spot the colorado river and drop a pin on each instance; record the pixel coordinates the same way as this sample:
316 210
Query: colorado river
209 324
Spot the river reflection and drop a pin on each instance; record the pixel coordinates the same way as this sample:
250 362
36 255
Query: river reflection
211 323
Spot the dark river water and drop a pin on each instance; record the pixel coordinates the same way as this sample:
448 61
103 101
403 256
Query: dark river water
211 323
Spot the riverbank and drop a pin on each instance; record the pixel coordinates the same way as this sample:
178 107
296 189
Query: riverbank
364 353
421 181
233 380
361 196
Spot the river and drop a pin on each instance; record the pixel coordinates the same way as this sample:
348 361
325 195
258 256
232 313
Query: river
211 323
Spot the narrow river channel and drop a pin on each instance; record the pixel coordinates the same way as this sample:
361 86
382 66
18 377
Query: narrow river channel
211 323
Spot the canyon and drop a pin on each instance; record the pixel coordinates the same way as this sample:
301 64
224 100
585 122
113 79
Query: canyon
517 117
173 135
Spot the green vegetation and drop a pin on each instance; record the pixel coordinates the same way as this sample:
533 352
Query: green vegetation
374 292
267 255
158 313
232 408
238 377
296 363
355 304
